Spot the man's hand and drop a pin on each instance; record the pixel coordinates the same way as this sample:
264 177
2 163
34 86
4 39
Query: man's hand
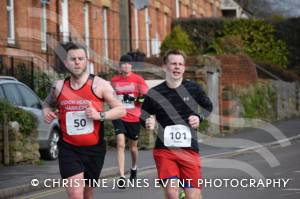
150 123
49 115
91 112
194 121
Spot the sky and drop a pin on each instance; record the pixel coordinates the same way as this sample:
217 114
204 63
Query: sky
290 8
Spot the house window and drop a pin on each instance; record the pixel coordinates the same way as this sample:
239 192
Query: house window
10 22
105 34
44 27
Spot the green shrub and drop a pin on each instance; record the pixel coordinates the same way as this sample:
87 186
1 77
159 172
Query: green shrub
259 40
288 30
229 44
259 101
202 31
178 39
217 35
40 82
26 120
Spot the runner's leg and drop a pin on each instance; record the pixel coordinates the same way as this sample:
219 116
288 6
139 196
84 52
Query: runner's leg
192 193
88 192
134 152
121 153
171 192
76 192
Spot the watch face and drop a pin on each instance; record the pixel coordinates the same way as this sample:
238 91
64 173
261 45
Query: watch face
102 116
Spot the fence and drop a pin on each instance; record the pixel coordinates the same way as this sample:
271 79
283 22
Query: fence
35 73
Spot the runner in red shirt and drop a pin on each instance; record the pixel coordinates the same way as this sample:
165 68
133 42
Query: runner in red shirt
130 89
79 99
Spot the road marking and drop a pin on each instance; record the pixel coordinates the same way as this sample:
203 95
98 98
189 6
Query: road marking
297 171
110 168
43 194
295 189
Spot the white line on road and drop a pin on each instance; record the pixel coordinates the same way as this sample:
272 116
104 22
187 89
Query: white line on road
43 194
295 189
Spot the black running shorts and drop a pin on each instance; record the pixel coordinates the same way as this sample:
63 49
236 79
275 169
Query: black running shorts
72 162
130 129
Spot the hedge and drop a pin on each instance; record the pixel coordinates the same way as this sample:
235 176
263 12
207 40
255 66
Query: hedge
258 37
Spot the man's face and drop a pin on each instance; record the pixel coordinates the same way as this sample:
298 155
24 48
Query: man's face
174 67
125 68
76 62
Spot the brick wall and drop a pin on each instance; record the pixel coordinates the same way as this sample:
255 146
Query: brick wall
237 70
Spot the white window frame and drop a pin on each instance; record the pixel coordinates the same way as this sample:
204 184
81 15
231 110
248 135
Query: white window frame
64 29
105 33
43 26
147 28
136 25
86 25
177 4
11 22
166 22
86 12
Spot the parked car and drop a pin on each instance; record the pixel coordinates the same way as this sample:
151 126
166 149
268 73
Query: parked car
23 97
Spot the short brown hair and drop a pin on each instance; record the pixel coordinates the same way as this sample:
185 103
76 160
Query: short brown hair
173 52
75 46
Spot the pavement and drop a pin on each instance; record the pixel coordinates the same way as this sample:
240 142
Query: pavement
17 180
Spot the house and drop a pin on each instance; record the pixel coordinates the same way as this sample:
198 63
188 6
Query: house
32 29
232 9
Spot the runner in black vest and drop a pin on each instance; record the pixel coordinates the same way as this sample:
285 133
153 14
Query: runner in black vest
175 103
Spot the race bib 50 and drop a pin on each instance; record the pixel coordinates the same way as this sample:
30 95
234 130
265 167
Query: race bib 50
77 123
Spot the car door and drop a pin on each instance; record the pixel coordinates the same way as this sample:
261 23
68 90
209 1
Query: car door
33 104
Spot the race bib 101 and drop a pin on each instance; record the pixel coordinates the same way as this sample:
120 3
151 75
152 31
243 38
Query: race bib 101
177 136
77 123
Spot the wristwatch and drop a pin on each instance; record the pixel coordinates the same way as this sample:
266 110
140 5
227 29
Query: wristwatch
102 116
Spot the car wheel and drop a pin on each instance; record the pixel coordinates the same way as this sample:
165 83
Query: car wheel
52 152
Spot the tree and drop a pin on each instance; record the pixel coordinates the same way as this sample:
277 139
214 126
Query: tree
178 39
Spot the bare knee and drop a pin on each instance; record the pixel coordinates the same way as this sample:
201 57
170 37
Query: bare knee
192 193
75 192
133 149
121 141
133 146
171 193
88 193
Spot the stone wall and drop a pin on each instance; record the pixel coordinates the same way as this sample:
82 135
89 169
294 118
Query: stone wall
288 99
21 149
268 100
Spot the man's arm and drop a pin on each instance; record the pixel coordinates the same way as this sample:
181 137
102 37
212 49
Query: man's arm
51 102
143 89
147 120
104 90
